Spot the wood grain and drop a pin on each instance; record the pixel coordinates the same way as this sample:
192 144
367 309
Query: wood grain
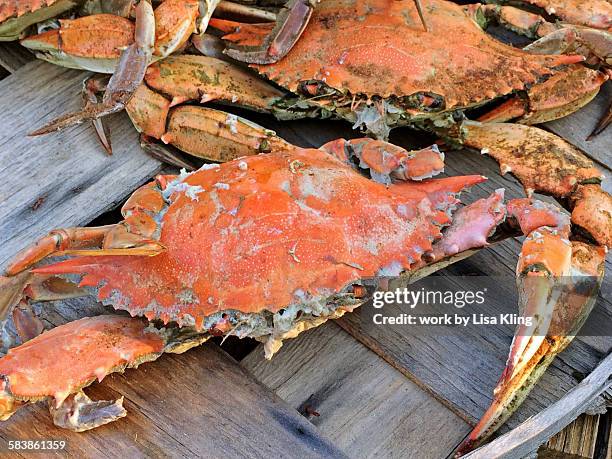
63 179
198 404
578 438
365 407
13 56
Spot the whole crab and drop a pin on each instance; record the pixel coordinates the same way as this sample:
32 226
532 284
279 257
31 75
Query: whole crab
266 247
376 67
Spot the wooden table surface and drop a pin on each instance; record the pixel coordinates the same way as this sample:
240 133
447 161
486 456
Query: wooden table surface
342 389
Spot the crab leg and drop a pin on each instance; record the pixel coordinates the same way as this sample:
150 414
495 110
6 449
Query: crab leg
135 236
530 357
204 132
26 288
558 279
124 82
156 33
82 351
56 241
291 22
547 164
139 240
386 161
562 94
231 9
204 79
566 91
594 45
590 13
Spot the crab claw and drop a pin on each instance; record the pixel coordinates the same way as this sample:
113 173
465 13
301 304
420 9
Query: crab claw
547 164
127 77
90 43
386 161
218 136
545 260
560 95
270 48
541 161
558 279
11 291
593 44
566 302
592 211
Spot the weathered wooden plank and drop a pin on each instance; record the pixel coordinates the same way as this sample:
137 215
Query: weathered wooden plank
197 404
576 127
578 438
63 179
609 439
14 56
366 407
530 434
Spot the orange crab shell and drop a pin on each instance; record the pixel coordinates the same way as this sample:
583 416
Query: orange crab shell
269 231
379 48
590 13
106 344
97 36
16 15
175 21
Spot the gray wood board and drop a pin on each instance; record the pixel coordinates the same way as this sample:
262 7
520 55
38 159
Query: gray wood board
63 179
364 406
580 437
197 404
13 56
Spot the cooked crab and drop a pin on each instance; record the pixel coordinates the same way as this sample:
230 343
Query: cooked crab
112 43
265 246
377 68
592 13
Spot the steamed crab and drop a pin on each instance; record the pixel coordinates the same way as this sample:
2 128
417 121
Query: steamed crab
376 67
113 43
265 246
